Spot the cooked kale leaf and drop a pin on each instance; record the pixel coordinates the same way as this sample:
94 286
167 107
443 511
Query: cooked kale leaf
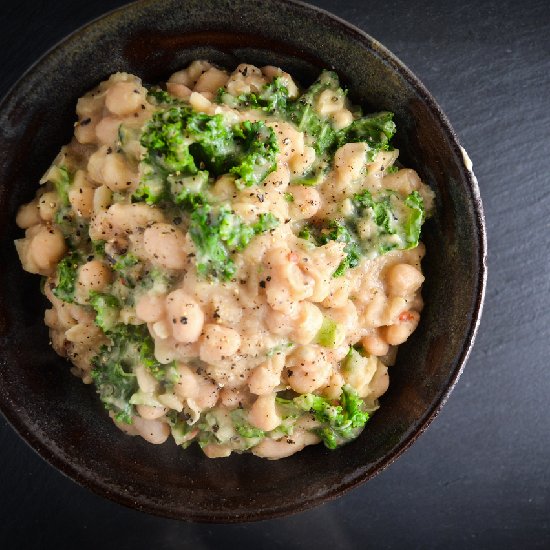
217 232
273 98
340 423
321 233
113 374
259 153
399 221
375 130
67 274
113 368
107 309
179 141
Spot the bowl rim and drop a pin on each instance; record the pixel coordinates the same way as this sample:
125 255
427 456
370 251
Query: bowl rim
100 487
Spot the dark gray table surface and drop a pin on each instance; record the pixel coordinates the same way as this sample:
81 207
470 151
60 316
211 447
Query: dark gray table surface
480 476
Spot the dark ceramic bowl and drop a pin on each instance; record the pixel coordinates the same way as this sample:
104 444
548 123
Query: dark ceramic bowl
62 419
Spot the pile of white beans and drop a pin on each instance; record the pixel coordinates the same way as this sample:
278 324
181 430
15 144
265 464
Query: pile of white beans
282 290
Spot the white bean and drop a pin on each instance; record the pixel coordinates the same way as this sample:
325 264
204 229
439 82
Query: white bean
231 397
150 307
333 389
178 90
51 319
274 449
398 333
278 322
350 161
290 141
146 381
47 205
319 270
89 105
110 168
375 345
307 369
307 323
403 279
263 414
374 311
28 215
92 276
153 431
218 342
122 219
195 69
116 173
380 381
306 203
346 315
84 131
341 119
245 79
47 248
124 98
216 451
107 130
208 393
181 77
82 200
185 315
161 329
151 413
102 198
164 245
188 383
338 294
211 80
224 187
263 380
329 102
405 181
287 283
199 102
300 162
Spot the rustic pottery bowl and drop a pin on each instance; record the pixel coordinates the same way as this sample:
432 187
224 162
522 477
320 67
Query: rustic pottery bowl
63 420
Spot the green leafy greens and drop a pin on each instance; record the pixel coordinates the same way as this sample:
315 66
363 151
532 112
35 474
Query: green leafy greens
340 423
259 146
67 274
217 233
184 151
107 308
62 180
376 129
399 221
113 374
395 224
272 99
113 368
335 230
180 142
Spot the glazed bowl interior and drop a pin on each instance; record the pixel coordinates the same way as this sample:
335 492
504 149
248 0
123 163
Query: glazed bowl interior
63 419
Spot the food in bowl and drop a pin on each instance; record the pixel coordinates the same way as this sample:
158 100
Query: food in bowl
230 260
